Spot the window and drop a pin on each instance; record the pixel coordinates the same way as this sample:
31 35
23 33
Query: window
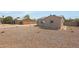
51 21
42 21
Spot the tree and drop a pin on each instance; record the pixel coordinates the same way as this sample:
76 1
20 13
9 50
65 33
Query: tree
8 20
53 15
26 17
18 17
77 19
69 20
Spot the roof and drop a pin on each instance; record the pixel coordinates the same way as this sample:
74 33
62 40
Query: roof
60 17
42 18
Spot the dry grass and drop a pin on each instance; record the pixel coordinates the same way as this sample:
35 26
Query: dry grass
34 37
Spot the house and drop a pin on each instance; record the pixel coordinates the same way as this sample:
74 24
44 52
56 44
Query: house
28 21
51 22
17 21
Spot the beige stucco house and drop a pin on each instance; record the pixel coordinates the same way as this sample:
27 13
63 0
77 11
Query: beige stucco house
51 22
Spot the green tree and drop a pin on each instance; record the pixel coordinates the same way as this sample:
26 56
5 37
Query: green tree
8 20
26 17
69 20
77 19
18 17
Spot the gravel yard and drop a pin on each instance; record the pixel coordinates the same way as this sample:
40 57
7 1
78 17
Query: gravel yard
30 36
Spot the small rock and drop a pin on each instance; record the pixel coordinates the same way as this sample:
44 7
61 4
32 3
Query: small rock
2 32
72 31
38 32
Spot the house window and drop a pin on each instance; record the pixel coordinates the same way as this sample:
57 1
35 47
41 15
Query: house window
51 21
42 21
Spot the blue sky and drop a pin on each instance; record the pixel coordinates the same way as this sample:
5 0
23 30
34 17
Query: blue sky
38 14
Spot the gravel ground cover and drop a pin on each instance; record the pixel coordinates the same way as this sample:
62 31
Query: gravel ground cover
31 36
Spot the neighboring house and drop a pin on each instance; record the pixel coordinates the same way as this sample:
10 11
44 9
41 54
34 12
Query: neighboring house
27 21
51 22
18 21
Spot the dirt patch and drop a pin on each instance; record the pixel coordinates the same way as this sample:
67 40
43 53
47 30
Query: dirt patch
29 36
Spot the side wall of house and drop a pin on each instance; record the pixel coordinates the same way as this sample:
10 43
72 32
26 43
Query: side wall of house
25 22
56 23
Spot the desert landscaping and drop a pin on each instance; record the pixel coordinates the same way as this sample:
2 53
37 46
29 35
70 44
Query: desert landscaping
31 36
50 31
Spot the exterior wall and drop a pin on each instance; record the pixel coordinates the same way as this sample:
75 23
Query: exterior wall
27 22
18 22
57 23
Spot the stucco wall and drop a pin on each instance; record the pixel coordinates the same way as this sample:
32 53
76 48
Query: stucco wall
28 22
